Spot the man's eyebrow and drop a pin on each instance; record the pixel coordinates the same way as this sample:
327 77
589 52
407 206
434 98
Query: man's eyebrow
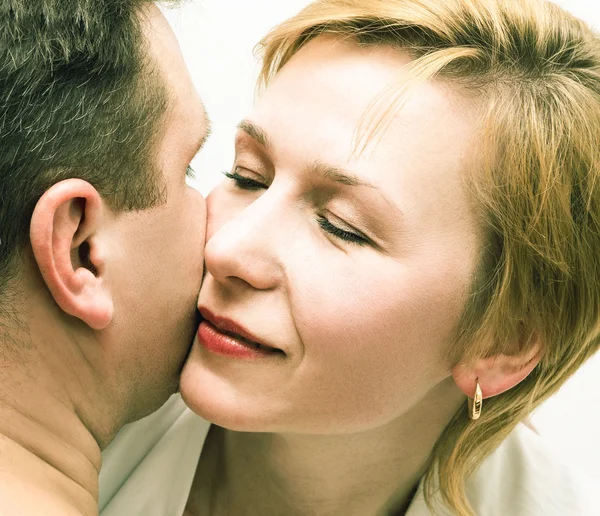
256 133
207 130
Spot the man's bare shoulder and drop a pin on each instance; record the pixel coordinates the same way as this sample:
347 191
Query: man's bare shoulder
27 487
19 498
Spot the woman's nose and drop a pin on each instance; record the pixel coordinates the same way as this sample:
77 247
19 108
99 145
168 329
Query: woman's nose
246 247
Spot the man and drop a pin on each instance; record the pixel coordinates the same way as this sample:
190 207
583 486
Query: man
101 238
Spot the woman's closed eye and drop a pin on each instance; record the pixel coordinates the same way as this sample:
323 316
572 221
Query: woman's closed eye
343 234
245 182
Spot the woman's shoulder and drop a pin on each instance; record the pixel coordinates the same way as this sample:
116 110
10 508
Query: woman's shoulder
525 477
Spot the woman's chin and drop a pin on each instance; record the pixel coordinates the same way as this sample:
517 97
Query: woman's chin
217 400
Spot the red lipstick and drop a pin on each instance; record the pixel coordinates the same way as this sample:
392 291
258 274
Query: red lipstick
224 337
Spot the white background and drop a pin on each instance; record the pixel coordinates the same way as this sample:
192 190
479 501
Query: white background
217 38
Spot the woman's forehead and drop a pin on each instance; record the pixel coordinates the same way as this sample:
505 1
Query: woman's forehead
313 111
334 90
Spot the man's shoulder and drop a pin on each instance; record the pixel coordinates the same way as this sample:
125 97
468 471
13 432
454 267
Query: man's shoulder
27 499
29 486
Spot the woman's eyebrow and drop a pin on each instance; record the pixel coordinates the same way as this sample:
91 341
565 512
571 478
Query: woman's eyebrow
256 133
338 175
331 173
346 178
335 174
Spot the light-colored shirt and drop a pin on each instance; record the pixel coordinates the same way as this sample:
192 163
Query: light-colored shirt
149 468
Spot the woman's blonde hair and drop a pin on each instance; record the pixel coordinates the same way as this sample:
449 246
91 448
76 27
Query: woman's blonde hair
534 178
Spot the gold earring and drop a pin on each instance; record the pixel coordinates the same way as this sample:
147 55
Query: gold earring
475 403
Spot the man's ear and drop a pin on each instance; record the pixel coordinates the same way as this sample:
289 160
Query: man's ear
68 252
498 373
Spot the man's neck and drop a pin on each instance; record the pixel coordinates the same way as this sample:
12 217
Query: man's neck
370 473
51 420
45 449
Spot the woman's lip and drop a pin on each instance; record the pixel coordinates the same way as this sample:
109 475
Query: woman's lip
228 345
232 329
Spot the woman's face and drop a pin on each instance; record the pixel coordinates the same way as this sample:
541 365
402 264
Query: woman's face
356 268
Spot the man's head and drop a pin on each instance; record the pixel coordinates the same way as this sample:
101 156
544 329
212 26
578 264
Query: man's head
101 238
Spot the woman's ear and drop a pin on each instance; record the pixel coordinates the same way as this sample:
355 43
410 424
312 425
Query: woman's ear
68 252
498 373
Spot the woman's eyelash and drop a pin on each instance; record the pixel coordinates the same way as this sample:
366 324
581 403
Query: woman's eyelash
244 183
339 232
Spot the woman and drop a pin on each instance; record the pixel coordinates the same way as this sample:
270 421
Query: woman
411 221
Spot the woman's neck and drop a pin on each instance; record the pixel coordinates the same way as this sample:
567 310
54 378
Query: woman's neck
374 472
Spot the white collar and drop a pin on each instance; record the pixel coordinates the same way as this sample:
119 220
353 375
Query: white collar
149 469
